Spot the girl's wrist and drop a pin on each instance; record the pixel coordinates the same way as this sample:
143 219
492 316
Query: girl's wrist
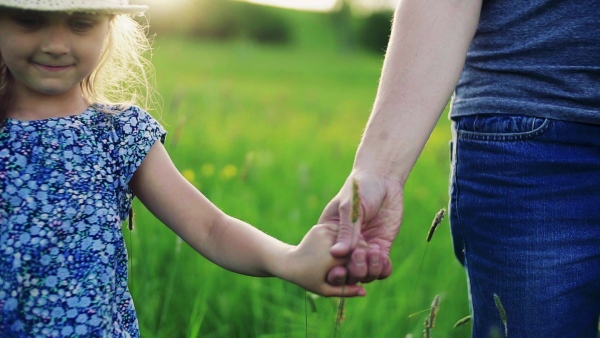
279 262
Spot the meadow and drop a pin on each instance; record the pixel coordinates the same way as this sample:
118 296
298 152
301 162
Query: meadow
269 134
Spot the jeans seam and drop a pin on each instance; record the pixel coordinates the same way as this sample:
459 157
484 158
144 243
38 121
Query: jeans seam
455 192
458 227
477 136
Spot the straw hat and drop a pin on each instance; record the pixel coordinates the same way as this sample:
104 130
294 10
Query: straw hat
103 6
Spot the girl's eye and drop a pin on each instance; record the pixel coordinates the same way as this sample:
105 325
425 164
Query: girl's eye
27 21
82 25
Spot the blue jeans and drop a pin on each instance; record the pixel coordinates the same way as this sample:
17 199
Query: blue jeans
525 219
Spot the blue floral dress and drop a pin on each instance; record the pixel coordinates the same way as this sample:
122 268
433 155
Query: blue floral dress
63 197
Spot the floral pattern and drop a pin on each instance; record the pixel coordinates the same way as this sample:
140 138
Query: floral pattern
63 196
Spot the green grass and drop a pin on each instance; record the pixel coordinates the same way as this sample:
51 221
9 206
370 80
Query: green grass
269 135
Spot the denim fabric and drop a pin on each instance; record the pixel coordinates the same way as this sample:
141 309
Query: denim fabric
525 219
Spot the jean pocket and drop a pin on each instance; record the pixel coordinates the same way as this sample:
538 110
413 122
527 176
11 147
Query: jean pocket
500 127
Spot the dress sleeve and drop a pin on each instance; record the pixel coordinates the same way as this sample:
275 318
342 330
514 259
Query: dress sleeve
136 132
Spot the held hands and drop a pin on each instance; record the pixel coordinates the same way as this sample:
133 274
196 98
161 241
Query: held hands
308 263
367 243
337 254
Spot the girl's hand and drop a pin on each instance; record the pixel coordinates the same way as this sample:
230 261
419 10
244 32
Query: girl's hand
307 264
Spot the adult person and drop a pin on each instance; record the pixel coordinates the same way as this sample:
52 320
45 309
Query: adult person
525 181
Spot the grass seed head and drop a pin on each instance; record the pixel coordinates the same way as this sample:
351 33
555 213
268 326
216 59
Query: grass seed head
439 217
430 321
463 321
502 313
355 202
435 307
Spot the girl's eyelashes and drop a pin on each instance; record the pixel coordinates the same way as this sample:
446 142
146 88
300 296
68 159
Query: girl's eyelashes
28 21
81 25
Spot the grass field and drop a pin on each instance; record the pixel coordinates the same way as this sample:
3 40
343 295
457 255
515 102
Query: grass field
269 134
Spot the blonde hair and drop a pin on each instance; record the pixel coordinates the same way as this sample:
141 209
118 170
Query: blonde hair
123 77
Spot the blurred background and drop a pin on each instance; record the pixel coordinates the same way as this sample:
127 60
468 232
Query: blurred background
345 24
264 105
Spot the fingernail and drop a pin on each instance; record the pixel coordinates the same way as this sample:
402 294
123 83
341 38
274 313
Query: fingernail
339 246
374 260
359 258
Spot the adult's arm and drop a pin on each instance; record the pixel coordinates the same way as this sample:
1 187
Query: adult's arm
425 56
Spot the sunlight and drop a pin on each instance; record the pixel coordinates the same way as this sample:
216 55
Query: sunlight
312 5
161 4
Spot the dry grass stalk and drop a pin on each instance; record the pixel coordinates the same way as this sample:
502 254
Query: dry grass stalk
502 313
181 123
430 321
354 213
176 100
248 163
439 217
130 219
341 312
355 202
463 321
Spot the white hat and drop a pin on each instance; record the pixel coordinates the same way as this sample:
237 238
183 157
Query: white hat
103 6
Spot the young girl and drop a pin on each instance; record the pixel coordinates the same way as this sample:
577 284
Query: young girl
71 160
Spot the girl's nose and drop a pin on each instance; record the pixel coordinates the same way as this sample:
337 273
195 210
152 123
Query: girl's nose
56 41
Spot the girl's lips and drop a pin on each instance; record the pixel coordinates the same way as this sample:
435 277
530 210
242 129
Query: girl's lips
52 68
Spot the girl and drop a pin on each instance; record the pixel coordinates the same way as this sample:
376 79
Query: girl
71 160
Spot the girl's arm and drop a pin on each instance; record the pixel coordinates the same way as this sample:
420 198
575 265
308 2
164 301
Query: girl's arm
229 242
425 56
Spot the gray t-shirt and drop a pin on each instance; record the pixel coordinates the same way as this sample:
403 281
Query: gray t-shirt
538 58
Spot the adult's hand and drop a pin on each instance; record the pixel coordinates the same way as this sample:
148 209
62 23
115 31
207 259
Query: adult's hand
370 238
423 62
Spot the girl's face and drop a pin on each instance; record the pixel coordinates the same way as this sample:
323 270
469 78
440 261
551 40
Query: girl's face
50 53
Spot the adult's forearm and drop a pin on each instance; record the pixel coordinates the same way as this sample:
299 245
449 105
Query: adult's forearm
424 59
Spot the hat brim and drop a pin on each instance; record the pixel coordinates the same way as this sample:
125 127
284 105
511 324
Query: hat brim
127 9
